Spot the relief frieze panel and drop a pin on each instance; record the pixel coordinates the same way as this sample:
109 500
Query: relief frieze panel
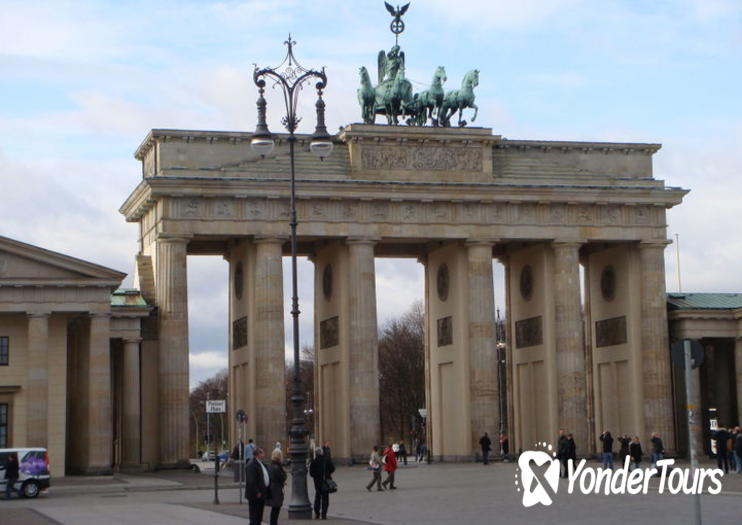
446 158
419 212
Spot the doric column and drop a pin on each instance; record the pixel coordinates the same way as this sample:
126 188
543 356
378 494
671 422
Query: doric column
37 393
483 383
570 357
738 369
655 358
131 404
269 352
172 302
99 418
365 424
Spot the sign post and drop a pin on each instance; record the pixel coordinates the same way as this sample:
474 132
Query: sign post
241 418
215 406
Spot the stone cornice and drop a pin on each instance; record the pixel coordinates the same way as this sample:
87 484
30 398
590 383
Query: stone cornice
254 187
709 314
606 147
206 136
417 134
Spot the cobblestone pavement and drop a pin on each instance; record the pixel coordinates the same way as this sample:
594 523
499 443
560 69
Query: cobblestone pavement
442 494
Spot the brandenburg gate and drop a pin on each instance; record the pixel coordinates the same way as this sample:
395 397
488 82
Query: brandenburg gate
586 350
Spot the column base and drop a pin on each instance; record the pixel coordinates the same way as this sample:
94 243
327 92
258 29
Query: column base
182 464
133 469
90 471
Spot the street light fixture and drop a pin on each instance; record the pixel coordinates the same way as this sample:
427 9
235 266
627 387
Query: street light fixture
291 79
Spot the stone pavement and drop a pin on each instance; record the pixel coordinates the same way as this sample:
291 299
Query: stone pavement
427 494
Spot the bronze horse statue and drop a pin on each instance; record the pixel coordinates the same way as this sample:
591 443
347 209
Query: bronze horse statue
431 100
460 99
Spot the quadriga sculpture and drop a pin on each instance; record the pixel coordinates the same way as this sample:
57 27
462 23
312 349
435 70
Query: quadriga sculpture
460 99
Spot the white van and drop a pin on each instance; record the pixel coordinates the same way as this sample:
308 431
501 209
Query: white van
33 471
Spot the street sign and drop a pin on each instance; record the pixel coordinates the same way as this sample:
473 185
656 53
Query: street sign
240 416
216 406
696 353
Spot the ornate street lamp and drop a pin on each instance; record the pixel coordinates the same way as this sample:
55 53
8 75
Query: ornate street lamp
290 76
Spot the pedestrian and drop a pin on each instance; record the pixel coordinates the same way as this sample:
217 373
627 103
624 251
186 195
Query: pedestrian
390 466
249 450
321 468
504 445
730 448
720 437
374 463
607 456
257 482
236 451
11 474
486 444
395 448
420 453
277 481
563 452
658 451
571 448
738 449
403 452
625 441
635 452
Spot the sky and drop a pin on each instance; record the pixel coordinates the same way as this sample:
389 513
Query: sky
83 82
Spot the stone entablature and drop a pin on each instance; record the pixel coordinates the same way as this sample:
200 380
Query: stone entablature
399 182
399 153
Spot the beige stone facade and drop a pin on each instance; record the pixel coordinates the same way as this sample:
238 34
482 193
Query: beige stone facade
61 331
583 353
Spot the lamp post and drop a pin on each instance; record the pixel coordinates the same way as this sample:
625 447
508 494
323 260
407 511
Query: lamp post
290 77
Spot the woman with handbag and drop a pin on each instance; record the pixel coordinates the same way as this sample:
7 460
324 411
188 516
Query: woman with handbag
374 463
321 468
277 481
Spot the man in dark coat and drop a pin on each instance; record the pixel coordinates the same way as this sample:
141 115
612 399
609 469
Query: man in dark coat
257 481
607 441
321 468
721 437
486 445
658 449
11 474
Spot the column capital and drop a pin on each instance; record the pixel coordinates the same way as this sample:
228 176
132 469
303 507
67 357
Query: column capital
363 240
481 242
132 340
99 315
38 314
173 237
273 239
568 243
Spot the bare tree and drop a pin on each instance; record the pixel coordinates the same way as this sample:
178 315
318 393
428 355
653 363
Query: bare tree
306 372
215 387
402 374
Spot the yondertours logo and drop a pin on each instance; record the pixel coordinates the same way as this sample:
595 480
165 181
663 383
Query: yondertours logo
538 475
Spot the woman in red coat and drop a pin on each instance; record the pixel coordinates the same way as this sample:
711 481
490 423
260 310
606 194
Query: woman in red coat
390 465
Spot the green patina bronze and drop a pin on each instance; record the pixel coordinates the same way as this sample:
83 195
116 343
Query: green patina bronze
393 95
